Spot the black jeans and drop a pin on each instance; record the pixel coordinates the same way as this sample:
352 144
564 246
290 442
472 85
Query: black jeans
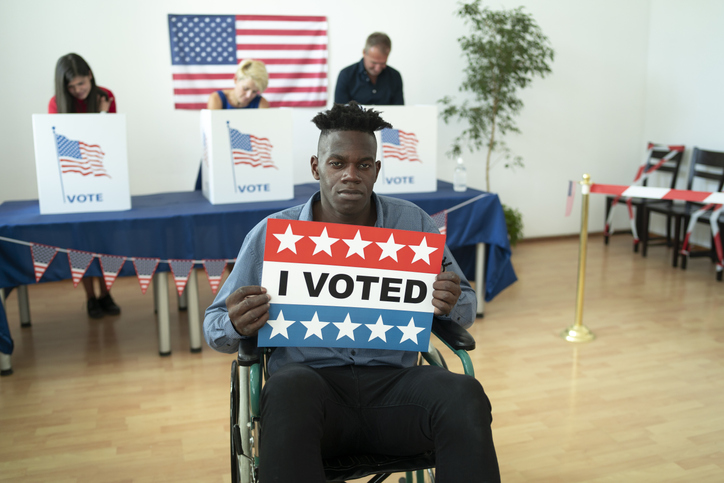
310 414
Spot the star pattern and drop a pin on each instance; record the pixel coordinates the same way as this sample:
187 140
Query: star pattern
389 248
422 251
356 246
314 327
280 326
378 330
346 328
323 243
410 331
288 240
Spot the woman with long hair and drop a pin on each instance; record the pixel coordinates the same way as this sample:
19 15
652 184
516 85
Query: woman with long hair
76 92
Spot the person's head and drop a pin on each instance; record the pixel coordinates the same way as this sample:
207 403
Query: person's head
374 55
74 80
346 164
250 80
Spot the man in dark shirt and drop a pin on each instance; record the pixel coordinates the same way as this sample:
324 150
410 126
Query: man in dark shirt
371 81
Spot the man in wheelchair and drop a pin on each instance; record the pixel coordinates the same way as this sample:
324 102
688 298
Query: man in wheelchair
320 403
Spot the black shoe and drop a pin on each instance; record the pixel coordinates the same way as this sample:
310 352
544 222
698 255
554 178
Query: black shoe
108 305
95 311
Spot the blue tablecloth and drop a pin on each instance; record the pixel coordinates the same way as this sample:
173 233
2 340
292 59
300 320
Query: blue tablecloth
186 226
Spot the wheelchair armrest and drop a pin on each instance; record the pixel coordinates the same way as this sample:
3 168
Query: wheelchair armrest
249 353
456 337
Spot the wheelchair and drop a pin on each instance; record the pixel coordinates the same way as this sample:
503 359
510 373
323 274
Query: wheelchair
247 374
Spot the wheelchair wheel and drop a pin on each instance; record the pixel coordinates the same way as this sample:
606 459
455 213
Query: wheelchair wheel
234 396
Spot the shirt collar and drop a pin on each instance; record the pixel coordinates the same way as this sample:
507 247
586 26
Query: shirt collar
307 213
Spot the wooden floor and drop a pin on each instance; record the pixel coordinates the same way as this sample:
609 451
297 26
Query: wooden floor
91 401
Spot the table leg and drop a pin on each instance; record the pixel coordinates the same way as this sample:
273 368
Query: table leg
192 294
24 305
164 325
480 278
183 300
6 366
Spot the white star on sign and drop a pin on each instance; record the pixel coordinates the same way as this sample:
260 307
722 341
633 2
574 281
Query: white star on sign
288 240
422 251
280 326
356 245
378 330
390 248
346 328
323 243
314 326
410 331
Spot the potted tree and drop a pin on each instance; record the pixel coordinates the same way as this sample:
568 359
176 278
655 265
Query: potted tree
505 50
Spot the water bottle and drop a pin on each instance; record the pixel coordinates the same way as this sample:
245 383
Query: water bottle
460 178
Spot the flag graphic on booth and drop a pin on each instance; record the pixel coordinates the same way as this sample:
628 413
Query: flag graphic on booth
400 145
351 286
79 157
42 256
206 50
79 262
250 150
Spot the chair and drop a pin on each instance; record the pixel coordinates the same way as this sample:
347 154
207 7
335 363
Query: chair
247 372
704 166
660 159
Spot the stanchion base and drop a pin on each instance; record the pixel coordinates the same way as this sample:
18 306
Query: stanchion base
195 350
25 325
578 333
164 354
6 372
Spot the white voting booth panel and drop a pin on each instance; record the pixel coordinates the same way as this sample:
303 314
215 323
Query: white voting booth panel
81 162
408 151
247 155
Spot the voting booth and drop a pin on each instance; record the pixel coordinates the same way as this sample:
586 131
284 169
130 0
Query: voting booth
247 155
408 151
81 162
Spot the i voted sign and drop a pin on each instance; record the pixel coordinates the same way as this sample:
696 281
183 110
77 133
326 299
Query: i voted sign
335 285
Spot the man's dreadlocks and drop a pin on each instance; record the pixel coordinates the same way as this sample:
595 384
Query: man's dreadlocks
349 117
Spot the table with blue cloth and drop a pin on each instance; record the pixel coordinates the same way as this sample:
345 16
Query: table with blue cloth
186 226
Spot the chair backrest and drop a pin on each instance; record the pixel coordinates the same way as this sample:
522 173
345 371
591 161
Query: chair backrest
671 166
708 165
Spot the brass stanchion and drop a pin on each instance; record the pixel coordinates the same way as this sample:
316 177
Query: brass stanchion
579 332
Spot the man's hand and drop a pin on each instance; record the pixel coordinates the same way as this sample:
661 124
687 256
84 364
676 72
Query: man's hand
446 292
249 309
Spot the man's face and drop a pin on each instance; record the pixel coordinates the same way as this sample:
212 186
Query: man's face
346 168
375 60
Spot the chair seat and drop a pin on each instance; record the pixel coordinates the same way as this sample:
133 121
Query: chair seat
352 467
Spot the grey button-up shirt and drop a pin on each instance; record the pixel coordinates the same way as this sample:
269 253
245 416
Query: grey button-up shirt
391 213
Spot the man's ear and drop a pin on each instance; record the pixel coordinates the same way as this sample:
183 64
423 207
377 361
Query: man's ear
314 163
378 167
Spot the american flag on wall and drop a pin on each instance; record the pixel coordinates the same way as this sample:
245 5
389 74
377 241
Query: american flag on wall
206 49
399 144
79 157
252 150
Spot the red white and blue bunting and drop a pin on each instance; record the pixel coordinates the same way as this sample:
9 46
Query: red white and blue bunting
111 265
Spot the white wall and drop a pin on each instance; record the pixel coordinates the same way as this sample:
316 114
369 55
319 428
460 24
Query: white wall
589 115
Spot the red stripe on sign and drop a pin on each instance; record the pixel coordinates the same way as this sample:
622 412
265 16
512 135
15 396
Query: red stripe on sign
609 189
686 195
281 47
282 90
203 76
280 32
296 104
281 18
